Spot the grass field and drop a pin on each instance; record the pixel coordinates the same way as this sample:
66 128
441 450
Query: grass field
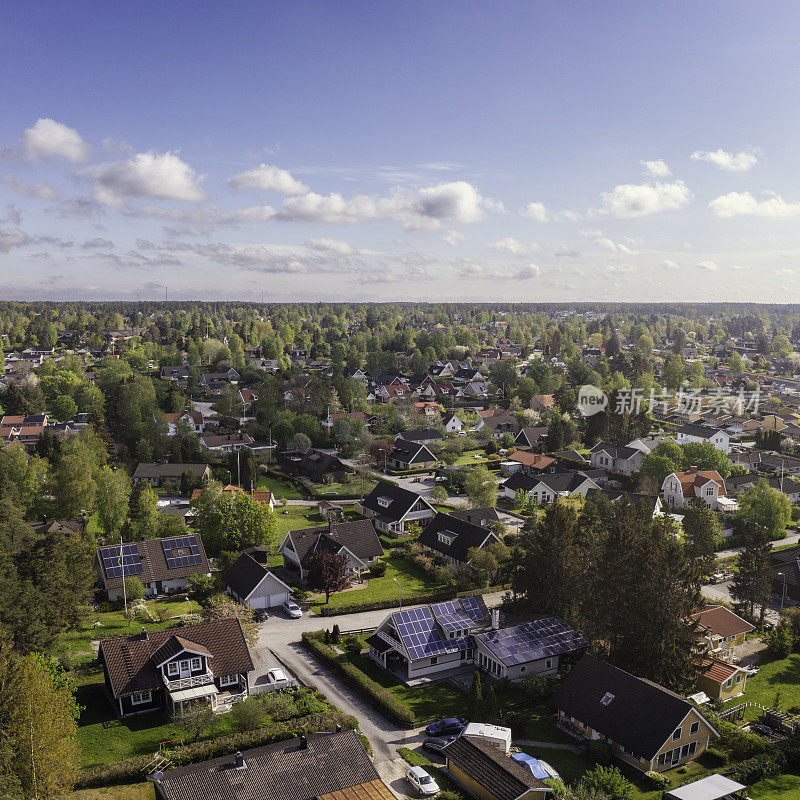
783 787
280 487
412 580
782 675
134 791
468 457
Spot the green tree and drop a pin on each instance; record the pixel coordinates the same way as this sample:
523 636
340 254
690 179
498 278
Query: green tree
735 363
63 408
74 487
134 589
767 509
113 490
673 373
608 781
232 520
701 536
752 581
327 572
480 487
474 703
490 562
705 456
144 513
491 708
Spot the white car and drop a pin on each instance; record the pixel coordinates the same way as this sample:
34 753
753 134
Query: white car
422 782
277 679
292 609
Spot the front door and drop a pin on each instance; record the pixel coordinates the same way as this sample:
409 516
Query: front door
676 756
185 668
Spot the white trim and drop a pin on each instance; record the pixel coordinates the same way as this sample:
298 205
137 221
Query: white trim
184 650
267 575
142 699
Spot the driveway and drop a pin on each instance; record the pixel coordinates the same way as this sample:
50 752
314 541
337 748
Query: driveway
722 591
263 661
281 636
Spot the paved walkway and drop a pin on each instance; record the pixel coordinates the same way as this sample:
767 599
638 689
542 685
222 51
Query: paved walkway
793 537
573 748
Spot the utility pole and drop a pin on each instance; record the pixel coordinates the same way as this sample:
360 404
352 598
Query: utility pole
238 469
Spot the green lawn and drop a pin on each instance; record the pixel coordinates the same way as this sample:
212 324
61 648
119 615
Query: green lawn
351 487
280 487
135 791
290 518
540 727
113 623
783 675
783 787
468 457
412 580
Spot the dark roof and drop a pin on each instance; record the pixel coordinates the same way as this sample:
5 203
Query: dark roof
282 771
169 470
381 645
69 526
464 534
401 500
244 575
641 716
532 641
358 537
411 451
531 435
571 455
490 768
132 660
701 431
556 481
154 562
422 435
615 450
477 516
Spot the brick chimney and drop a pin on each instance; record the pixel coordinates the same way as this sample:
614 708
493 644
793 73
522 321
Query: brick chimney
692 470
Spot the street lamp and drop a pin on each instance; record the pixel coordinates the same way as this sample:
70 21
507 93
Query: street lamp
385 452
401 592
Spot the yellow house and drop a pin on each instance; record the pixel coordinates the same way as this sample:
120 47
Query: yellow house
719 679
720 632
647 726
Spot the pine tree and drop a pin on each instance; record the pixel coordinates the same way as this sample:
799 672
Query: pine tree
491 708
752 583
475 697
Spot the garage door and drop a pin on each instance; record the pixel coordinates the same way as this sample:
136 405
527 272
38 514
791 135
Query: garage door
278 599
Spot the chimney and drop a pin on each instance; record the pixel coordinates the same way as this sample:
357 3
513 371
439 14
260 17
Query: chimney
338 728
303 742
693 470
495 619
238 760
143 635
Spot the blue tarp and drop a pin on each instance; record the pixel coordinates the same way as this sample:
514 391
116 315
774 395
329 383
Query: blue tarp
532 765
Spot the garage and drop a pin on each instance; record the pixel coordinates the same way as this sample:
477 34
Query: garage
252 584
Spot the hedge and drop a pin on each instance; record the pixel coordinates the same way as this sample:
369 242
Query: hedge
381 698
132 769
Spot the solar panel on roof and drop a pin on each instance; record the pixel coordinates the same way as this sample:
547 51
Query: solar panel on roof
121 561
473 608
420 635
182 551
533 640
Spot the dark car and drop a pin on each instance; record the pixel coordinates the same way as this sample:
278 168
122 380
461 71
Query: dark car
451 726
437 743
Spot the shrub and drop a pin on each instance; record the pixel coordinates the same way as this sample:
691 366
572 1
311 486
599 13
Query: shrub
715 757
353 647
758 768
248 714
658 779
278 705
378 569
336 634
600 752
608 781
535 686
134 588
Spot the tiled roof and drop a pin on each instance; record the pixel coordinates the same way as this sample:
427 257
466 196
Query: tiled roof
358 537
132 660
465 536
719 620
533 460
716 669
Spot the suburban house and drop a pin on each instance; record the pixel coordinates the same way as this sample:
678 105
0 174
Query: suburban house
193 418
704 433
616 457
393 509
786 574
546 487
542 402
253 585
175 374
647 726
530 437
743 483
721 632
316 766
226 443
163 670
164 566
701 486
453 538
486 772
247 397
410 455
457 634
427 408
170 474
356 540
452 423
317 466
653 502
499 424
528 463
718 679
423 436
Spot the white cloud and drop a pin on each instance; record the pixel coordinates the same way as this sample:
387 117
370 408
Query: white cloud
630 200
458 201
535 211
337 246
785 271
528 272
513 246
656 169
48 139
12 238
615 247
41 191
740 267
268 177
708 265
670 264
454 238
732 162
741 204
619 269
157 176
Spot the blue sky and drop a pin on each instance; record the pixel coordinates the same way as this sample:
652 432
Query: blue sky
432 151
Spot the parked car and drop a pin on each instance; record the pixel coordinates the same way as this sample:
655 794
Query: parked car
262 615
292 609
451 726
277 679
437 743
422 782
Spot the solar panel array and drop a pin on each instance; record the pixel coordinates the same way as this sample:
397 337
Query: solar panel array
182 551
474 608
121 561
533 640
421 636
451 616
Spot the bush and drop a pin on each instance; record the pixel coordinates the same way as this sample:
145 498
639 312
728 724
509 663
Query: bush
608 781
658 779
248 714
757 769
715 757
378 569
535 686
600 752
353 646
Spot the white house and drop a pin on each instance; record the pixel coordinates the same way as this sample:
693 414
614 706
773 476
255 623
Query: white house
194 418
704 433
704 486
546 487
617 458
452 424
252 584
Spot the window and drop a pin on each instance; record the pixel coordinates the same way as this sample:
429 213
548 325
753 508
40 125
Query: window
139 698
692 748
434 661
549 663
710 490
738 677
695 726
197 663
185 665
729 683
227 680
523 669
677 734
172 668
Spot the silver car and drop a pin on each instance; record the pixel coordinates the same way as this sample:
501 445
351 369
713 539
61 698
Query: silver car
292 609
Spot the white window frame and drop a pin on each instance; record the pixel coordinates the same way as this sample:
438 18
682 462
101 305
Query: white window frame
197 663
172 668
676 734
693 728
229 680
141 698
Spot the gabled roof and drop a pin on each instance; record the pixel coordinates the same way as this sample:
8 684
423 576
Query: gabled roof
465 536
288 770
640 715
699 431
132 660
358 537
490 768
615 450
531 435
693 480
719 620
245 574
715 669
409 452
400 501
421 435
532 460
532 641
557 482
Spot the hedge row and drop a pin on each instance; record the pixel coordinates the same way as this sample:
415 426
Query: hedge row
132 769
381 698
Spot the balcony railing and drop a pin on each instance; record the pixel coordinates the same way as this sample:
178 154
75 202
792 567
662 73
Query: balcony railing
192 680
